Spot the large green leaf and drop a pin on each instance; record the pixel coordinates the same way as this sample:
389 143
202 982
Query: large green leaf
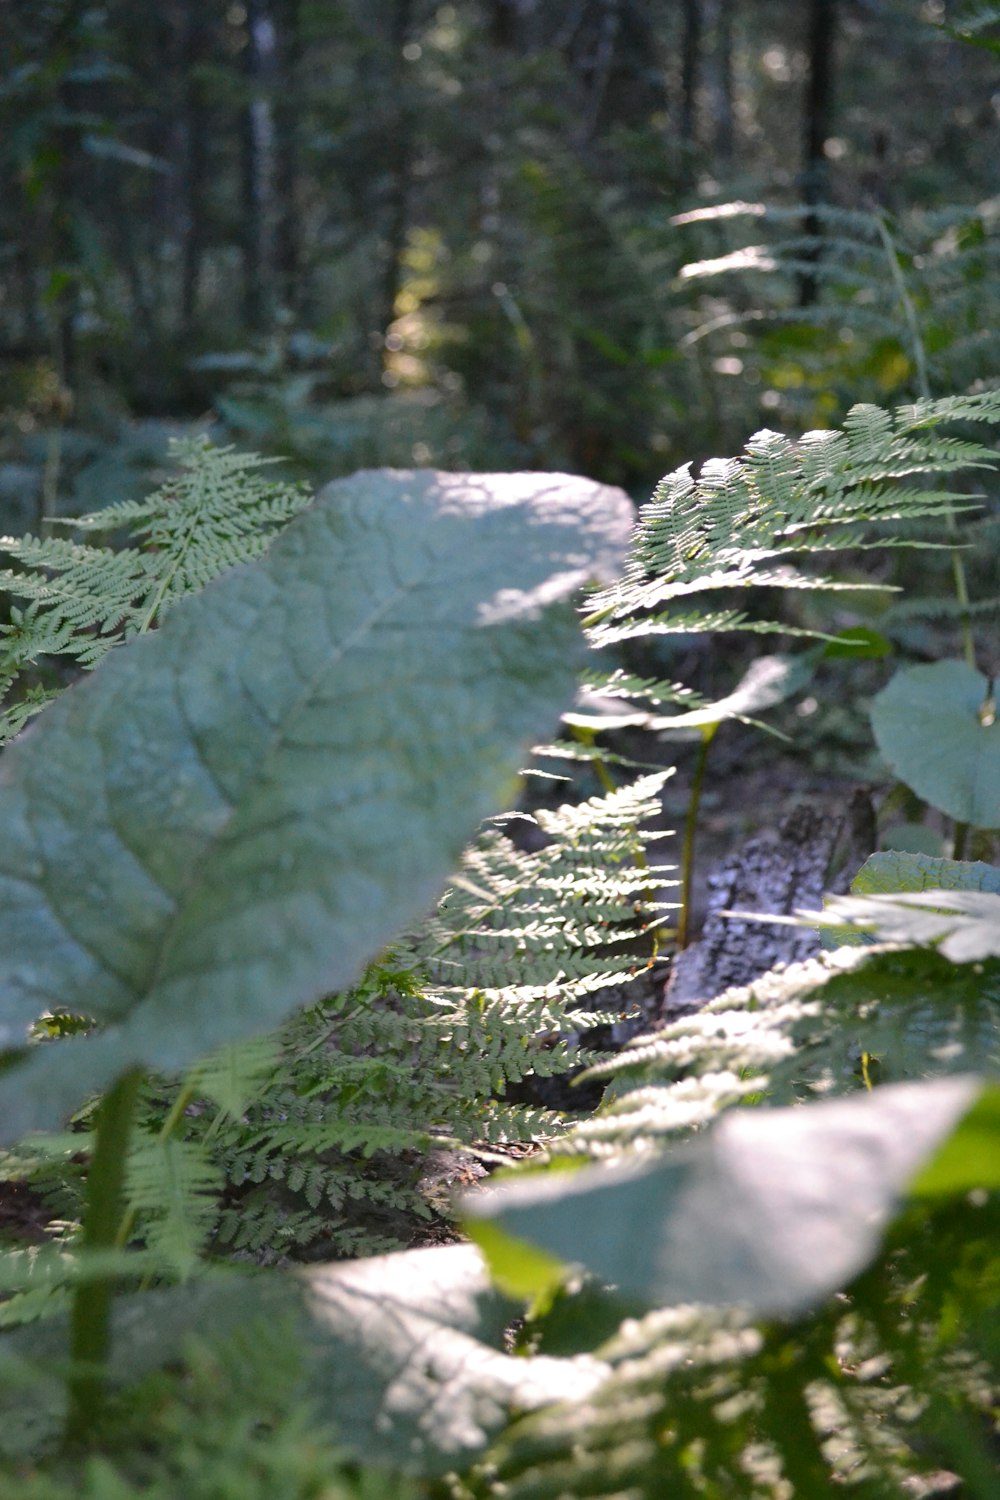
774 1210
404 1353
232 815
856 919
935 728
407 1358
897 870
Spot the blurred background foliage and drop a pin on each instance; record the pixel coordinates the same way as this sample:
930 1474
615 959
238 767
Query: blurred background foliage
482 234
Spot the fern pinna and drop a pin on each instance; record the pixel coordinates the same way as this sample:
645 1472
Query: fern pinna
752 521
220 509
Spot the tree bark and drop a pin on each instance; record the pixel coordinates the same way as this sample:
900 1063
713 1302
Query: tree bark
256 150
194 52
725 134
399 160
690 72
287 135
818 118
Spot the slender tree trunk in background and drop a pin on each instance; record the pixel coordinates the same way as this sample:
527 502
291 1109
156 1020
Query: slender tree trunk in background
256 150
725 134
691 41
600 64
287 133
505 25
399 161
818 118
63 292
194 54
141 295
32 319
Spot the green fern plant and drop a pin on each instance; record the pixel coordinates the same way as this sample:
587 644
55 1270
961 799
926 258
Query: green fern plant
324 1142
757 522
221 508
880 280
904 305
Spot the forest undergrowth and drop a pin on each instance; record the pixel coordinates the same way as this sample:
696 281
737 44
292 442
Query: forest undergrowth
765 1265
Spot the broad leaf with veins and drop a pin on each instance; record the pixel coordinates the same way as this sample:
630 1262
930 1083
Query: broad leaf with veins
234 814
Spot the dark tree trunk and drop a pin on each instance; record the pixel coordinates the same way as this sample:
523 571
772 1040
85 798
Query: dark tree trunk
725 135
690 72
399 159
600 63
195 47
256 150
287 134
505 24
63 292
818 118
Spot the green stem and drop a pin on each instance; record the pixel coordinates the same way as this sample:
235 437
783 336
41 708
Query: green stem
588 737
690 830
924 386
50 479
90 1325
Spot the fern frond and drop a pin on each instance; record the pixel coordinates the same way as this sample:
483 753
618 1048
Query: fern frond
928 607
235 1075
172 1188
81 601
859 333
741 522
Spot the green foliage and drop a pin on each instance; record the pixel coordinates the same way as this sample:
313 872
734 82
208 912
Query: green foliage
879 1392
902 300
218 511
745 522
323 1138
893 1382
773 1211
789 1393
277 866
897 870
548 928
935 725
233 1418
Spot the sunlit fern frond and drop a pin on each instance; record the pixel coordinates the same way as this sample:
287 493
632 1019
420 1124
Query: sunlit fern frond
754 522
221 509
700 1403
555 922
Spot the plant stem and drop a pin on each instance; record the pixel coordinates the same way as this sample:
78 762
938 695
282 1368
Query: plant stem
90 1326
588 737
959 836
690 829
924 386
50 479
